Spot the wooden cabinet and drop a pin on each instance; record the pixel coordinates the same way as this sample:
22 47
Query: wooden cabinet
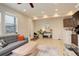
76 15
74 39
68 22
76 18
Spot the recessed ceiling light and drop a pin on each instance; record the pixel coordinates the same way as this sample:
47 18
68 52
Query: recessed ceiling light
45 16
56 9
35 17
43 29
70 13
24 10
56 15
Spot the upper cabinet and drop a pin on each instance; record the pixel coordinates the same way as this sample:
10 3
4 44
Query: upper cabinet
76 17
68 22
72 21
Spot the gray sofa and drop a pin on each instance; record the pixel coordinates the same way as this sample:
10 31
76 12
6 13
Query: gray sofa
13 43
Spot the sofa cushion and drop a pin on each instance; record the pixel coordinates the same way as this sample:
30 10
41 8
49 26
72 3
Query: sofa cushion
21 37
11 46
11 39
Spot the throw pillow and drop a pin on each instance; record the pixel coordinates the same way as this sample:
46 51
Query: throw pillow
21 37
3 43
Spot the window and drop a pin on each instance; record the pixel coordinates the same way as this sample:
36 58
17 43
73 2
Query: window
10 24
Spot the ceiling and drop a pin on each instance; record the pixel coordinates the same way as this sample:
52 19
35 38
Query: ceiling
44 9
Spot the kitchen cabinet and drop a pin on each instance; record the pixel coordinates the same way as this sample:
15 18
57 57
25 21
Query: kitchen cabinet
68 22
74 39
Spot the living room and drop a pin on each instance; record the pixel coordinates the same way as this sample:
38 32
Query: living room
25 19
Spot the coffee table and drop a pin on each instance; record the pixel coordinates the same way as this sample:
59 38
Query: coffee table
26 49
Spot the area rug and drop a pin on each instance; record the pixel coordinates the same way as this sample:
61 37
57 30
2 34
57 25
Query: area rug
47 51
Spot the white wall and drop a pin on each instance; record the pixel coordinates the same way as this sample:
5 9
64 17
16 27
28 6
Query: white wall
31 27
58 30
22 20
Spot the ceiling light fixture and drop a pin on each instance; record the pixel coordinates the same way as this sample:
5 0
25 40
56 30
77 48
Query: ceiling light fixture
70 13
56 15
24 10
56 9
35 17
45 16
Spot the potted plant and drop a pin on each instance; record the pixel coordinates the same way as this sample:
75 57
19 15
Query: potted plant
40 32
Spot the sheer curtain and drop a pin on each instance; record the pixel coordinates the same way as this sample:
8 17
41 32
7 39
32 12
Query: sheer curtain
0 23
